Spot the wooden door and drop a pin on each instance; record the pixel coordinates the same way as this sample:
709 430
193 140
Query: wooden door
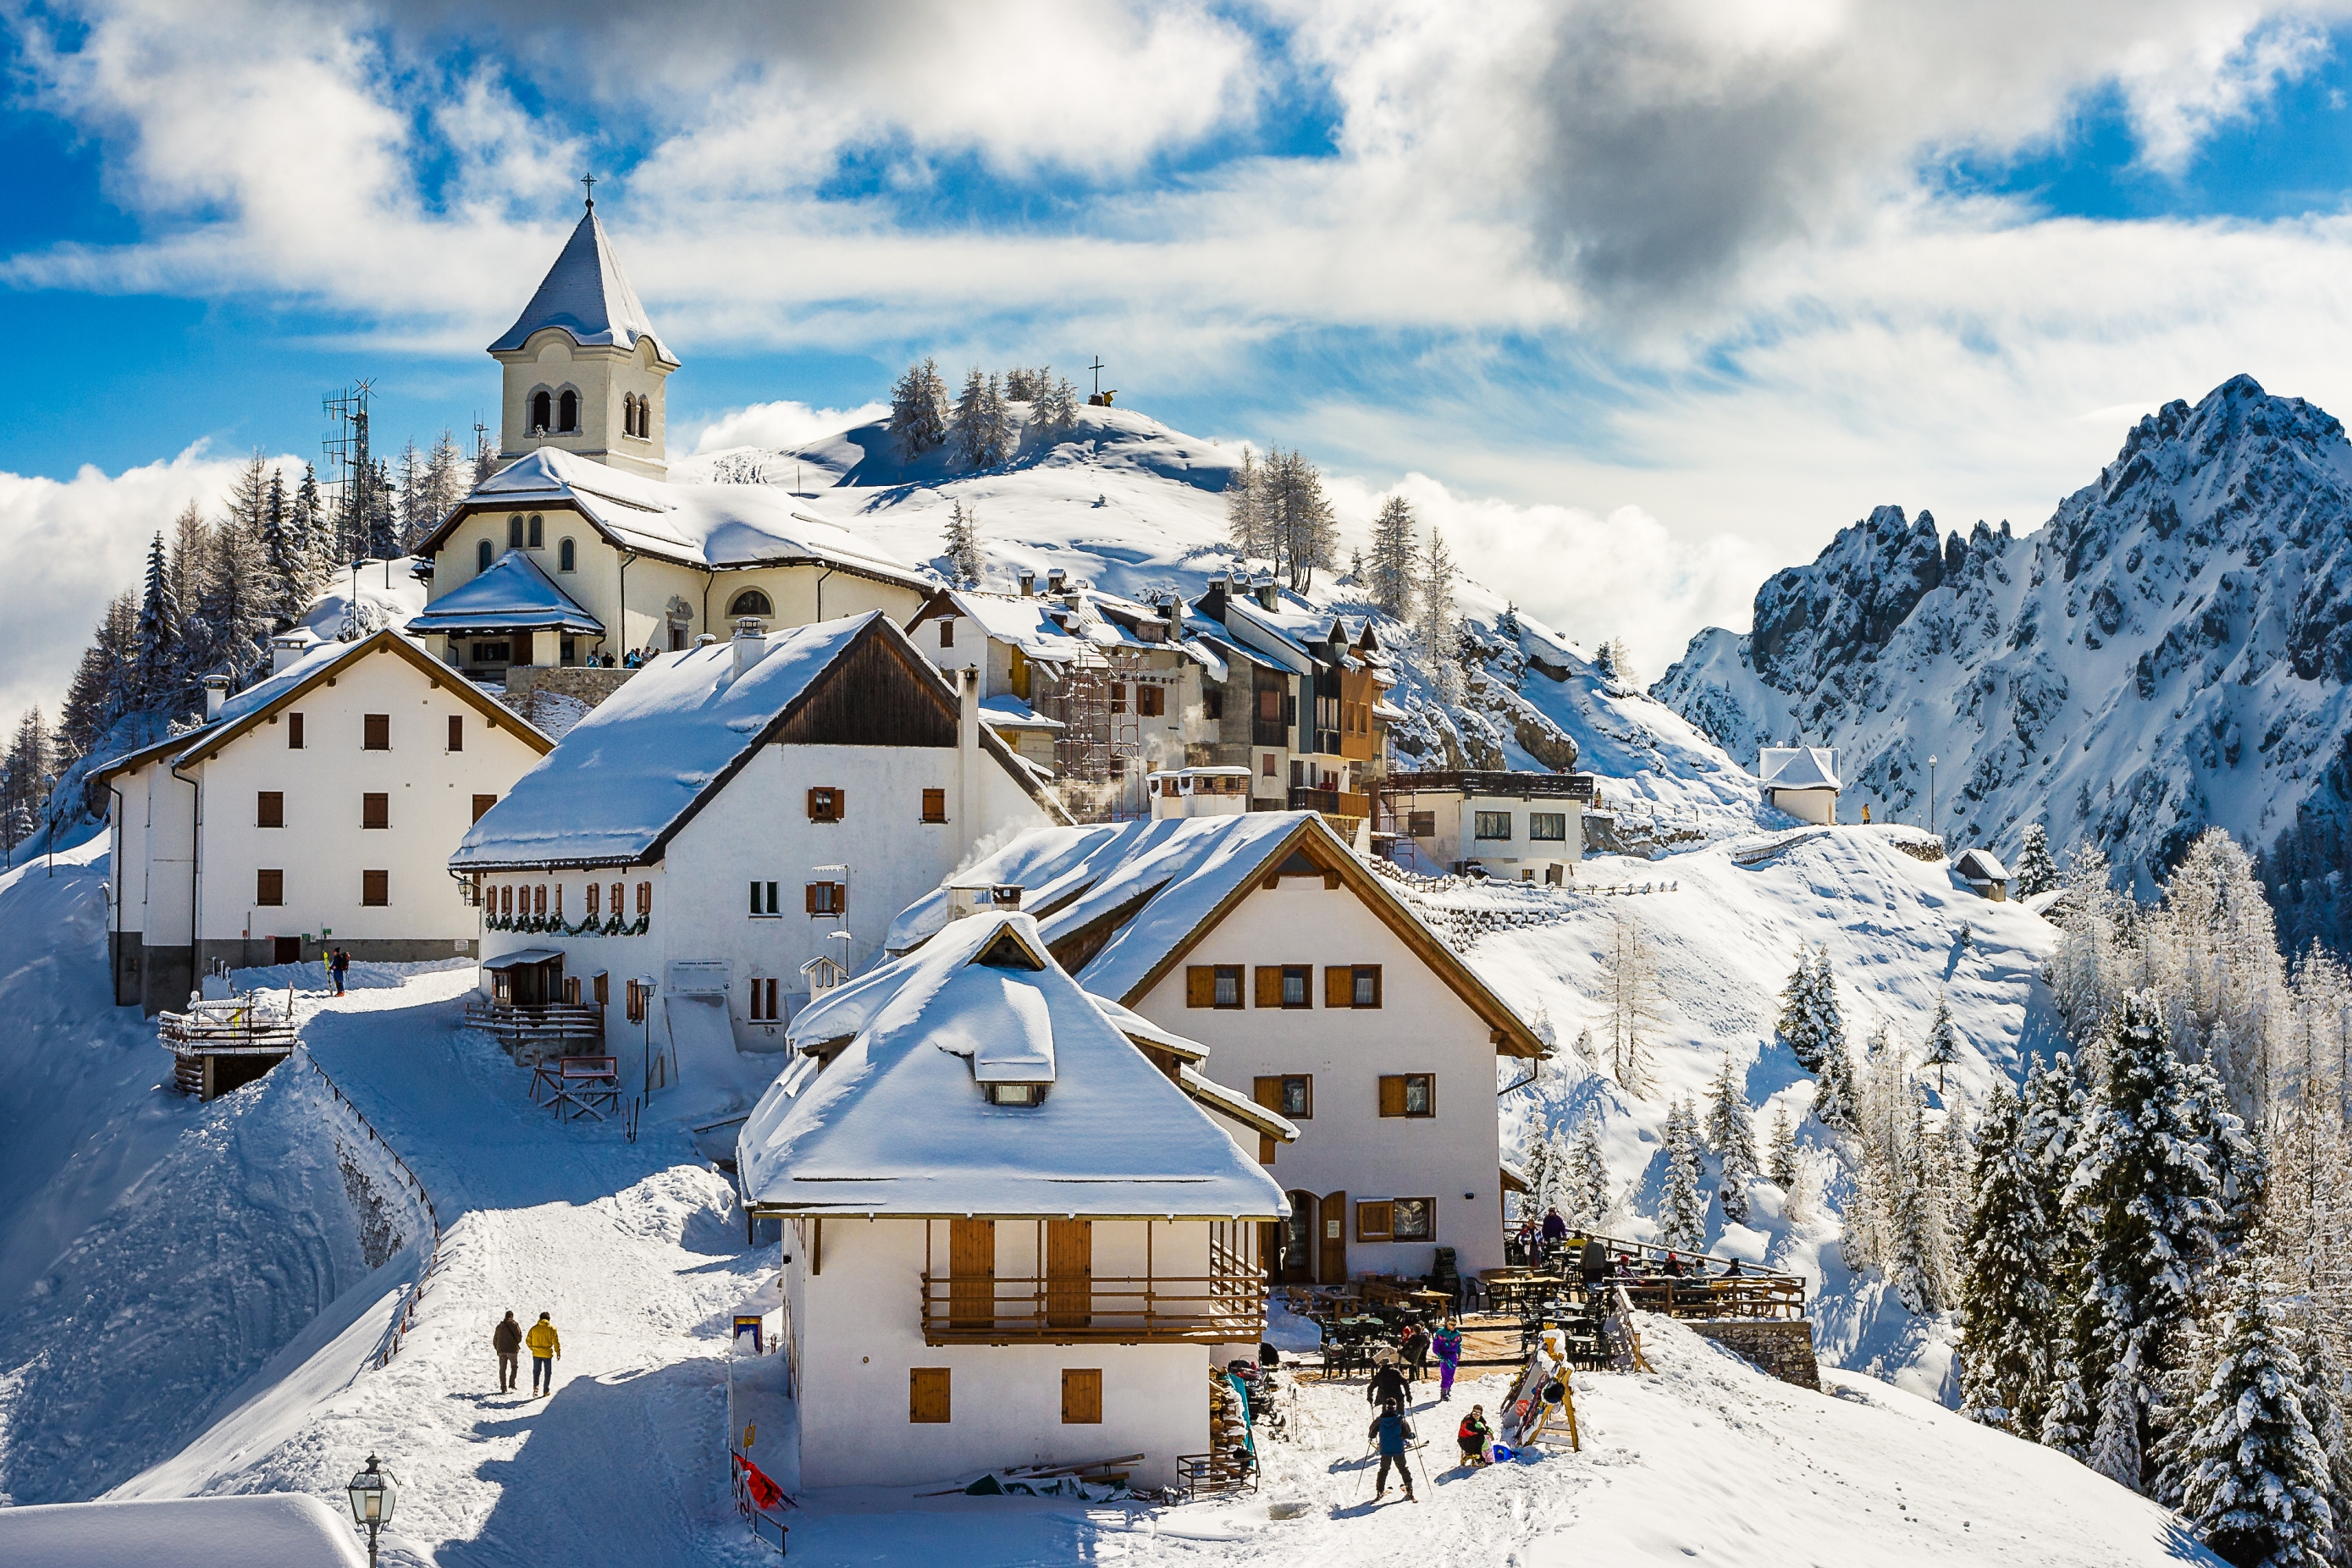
971 1273
519 649
1331 1213
1070 1272
288 949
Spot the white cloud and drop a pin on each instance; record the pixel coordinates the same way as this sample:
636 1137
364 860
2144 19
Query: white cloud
780 426
71 546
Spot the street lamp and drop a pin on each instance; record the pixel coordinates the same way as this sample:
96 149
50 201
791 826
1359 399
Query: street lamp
1931 792
372 1492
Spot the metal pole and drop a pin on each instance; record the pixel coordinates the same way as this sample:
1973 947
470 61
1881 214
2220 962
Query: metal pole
372 1528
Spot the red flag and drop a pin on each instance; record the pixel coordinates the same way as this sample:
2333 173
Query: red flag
765 1493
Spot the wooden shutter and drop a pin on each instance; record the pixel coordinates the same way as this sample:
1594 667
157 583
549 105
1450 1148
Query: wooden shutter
375 888
603 992
269 888
269 809
375 811
927 1395
1391 1094
935 805
1201 985
971 1273
376 732
1082 1396
293 732
1269 985
1070 1272
808 896
482 804
1375 1221
457 732
1339 986
1268 1091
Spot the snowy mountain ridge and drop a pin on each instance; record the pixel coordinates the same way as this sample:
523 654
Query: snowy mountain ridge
2170 651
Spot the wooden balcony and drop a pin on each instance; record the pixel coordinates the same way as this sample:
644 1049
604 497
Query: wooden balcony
1332 803
1215 1310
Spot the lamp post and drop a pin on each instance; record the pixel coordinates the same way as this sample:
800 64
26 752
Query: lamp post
372 1492
1931 792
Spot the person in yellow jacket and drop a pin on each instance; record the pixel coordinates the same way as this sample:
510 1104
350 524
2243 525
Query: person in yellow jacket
546 1349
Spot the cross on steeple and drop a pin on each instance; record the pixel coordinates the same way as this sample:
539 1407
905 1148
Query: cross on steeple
590 180
1097 367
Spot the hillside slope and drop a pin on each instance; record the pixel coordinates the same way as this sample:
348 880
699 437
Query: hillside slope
2171 650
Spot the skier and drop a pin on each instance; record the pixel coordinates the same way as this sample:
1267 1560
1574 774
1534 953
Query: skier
1447 1343
546 1349
1388 1385
1391 1432
507 1340
1475 1435
338 966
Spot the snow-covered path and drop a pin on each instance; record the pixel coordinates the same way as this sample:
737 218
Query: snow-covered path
627 1245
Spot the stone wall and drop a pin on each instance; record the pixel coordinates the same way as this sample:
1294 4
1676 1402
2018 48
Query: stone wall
581 682
1783 1347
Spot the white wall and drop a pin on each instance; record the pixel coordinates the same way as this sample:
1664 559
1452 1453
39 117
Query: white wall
858 1328
1347 1145
1456 839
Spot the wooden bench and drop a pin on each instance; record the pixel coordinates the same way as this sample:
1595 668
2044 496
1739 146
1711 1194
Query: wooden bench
578 1086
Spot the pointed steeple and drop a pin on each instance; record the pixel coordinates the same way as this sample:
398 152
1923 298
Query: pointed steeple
587 295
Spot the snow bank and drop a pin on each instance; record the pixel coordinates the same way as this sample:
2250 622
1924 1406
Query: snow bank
271 1530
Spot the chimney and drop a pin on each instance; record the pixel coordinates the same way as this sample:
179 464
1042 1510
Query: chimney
1005 895
968 759
216 693
284 651
748 643
1268 595
1028 585
1056 581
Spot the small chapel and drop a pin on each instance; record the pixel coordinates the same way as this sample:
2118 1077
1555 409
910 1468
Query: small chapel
579 551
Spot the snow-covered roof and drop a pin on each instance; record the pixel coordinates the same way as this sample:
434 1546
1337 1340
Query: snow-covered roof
897 1123
515 593
1006 711
587 295
642 762
1980 866
708 525
1127 899
1030 624
258 1529
1798 767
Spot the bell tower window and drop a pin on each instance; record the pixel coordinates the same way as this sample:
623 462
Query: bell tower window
568 410
543 412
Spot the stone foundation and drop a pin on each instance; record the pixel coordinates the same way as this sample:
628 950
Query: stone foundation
578 682
1783 1347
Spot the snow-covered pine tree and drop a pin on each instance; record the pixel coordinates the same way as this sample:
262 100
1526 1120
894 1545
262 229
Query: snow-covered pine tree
1682 1204
234 608
2066 1424
2084 974
1306 530
1615 661
2145 1200
291 584
1589 1186
1536 1168
1829 1026
1801 1026
2009 1315
383 515
976 429
157 674
313 530
2257 1482
1056 410
1923 1234
1629 990
1439 626
1586 1053
2124 1404
1731 1133
1396 557
1245 509
1943 1042
2036 872
962 552
1835 1092
919 410
2324 1392
415 494
1780 1151
105 683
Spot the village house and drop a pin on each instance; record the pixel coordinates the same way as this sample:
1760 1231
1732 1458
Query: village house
314 808
1526 827
733 819
1318 993
1013 1239
623 559
1801 781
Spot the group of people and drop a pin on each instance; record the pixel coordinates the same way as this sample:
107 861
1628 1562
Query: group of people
1549 1237
1395 1369
546 1348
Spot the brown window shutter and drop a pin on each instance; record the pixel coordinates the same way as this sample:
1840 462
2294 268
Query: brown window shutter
1391 1094
377 735
1339 986
1269 985
1266 1092
1081 1396
604 990
375 888
457 732
269 809
1375 1221
935 805
808 895
293 732
1200 985
927 1395
375 811
482 804
269 888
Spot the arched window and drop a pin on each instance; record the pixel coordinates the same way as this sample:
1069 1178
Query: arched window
543 412
564 557
567 409
538 531
482 556
628 413
514 532
750 602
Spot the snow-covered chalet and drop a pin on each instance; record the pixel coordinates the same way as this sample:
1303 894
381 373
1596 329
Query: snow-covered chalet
1320 994
1013 1235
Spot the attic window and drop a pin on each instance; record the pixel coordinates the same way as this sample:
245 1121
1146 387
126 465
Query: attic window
1297 864
824 805
1007 953
1015 1093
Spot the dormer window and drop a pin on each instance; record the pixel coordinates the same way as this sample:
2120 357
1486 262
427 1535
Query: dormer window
1015 1093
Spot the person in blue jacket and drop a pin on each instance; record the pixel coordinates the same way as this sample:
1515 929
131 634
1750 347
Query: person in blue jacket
1390 1431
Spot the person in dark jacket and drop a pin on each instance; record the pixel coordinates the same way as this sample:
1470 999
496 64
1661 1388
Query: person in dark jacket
1731 1270
1674 1268
338 967
1416 1353
1554 1229
1593 1263
1391 1432
507 1340
1475 1436
1389 1384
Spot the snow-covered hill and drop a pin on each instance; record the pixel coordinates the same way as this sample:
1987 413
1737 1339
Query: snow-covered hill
2169 651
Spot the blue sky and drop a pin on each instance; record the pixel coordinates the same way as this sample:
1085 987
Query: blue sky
1678 292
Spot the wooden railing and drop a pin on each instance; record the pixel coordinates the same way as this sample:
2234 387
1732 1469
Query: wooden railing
1330 802
1749 1296
1224 1307
530 1035
1701 1290
220 1032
